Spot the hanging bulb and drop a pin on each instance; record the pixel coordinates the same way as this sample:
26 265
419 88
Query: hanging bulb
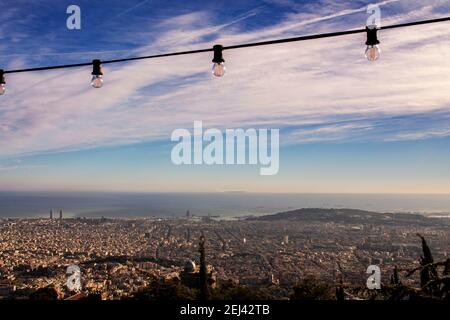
373 49
2 82
97 74
218 69
97 81
373 52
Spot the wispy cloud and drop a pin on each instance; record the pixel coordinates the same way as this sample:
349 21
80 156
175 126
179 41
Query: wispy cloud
18 166
317 82
140 4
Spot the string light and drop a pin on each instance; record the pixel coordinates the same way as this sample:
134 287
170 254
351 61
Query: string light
218 69
97 74
372 52
2 82
373 49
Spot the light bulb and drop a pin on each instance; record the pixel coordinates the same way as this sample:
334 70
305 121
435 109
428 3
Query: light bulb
372 43
97 81
218 69
97 74
2 82
373 52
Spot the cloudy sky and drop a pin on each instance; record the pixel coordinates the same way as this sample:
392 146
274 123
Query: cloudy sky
346 125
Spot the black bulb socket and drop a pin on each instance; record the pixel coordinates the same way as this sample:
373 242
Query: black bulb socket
218 56
2 77
372 38
97 68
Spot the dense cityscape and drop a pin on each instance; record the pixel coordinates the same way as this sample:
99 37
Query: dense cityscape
119 257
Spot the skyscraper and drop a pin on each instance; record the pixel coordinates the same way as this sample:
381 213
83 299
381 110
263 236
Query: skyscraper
188 234
51 214
60 214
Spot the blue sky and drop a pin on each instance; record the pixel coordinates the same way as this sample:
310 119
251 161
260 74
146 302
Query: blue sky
346 125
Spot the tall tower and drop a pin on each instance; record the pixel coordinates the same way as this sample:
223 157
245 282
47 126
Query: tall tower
204 289
188 234
60 214
51 214
188 214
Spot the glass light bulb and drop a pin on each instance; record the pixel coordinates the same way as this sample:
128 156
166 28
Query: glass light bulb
218 69
373 52
2 89
97 81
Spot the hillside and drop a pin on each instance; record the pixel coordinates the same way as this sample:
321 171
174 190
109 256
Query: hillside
348 216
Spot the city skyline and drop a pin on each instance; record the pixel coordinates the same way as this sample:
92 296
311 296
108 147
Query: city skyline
346 125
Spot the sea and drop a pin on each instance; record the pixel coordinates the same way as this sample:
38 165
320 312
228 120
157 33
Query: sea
224 205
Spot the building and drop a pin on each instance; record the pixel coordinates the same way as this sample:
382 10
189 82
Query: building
188 234
6 289
190 276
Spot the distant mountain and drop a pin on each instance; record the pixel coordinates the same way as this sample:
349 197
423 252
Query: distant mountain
348 216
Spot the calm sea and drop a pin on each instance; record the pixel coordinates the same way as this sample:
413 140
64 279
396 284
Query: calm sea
33 204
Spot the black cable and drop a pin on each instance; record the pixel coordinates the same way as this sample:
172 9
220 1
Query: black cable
239 46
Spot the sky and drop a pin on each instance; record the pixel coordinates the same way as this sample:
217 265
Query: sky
346 125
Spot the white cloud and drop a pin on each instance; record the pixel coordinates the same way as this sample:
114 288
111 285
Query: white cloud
283 85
